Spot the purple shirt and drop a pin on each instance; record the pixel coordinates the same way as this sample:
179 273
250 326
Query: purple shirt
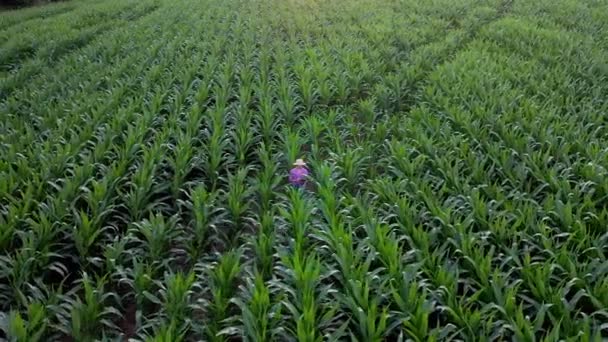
298 175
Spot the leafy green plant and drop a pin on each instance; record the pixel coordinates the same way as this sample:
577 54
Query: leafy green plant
32 328
260 316
205 218
92 312
223 278
155 236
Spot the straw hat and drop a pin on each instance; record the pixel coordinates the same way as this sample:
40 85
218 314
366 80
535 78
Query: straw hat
299 162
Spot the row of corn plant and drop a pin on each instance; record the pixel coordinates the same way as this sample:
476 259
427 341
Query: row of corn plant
19 48
28 64
100 150
12 18
129 148
76 120
471 131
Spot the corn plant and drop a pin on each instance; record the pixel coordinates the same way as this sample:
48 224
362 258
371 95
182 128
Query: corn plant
155 236
93 311
166 333
182 163
174 298
142 186
30 328
264 245
238 202
204 221
223 286
259 316
268 179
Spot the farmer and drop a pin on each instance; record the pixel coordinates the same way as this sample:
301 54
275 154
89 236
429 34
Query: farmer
299 174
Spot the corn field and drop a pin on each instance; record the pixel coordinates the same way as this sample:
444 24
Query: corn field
458 152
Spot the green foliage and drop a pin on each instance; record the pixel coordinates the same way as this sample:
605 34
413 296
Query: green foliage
457 151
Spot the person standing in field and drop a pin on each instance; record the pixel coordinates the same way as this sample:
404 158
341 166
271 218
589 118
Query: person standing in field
298 175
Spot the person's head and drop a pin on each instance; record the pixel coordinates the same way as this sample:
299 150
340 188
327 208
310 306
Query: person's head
299 163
